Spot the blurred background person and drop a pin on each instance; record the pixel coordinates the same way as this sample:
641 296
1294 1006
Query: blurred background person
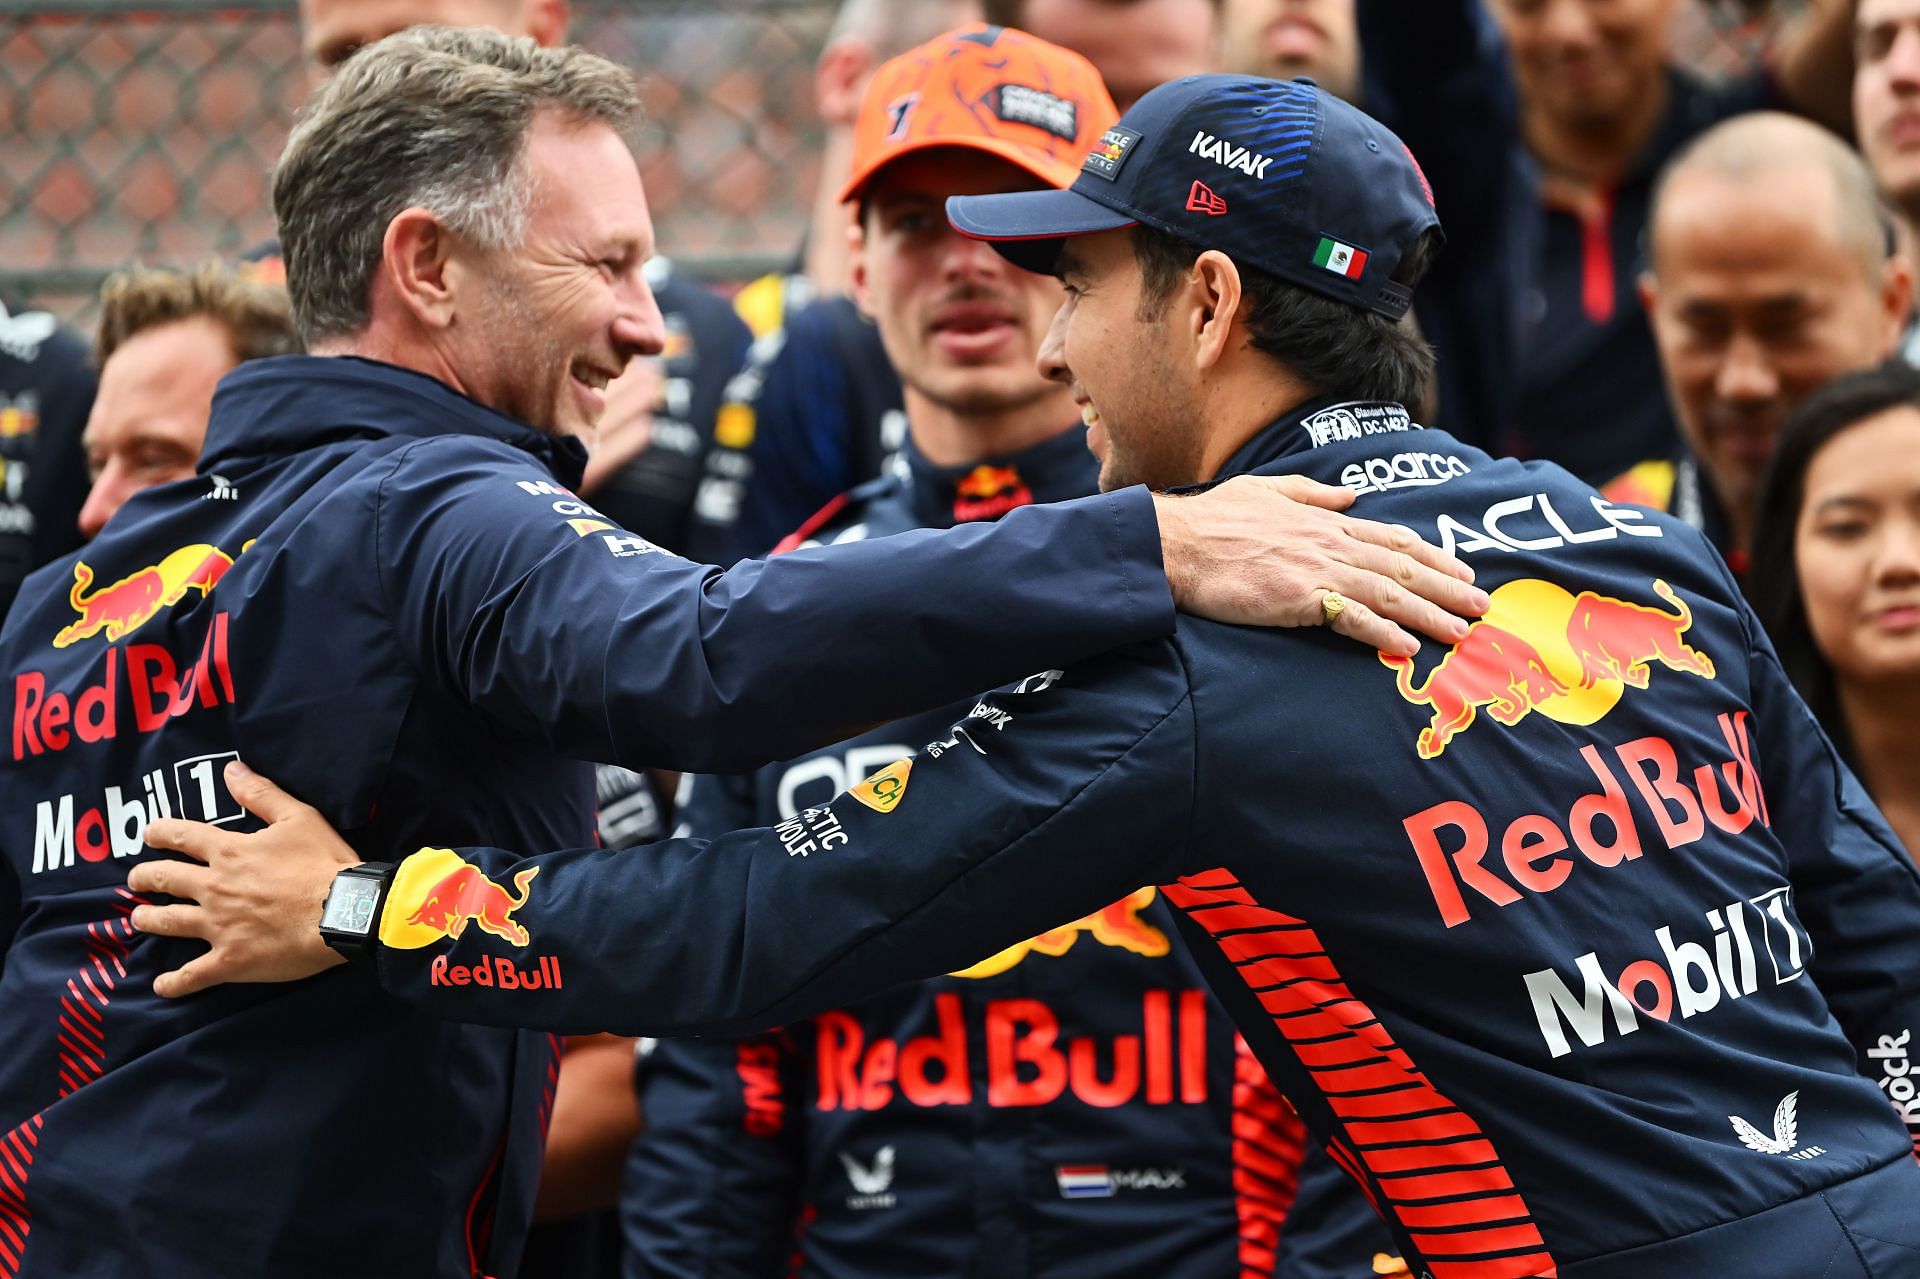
1283 39
1135 44
1437 74
46 392
1886 101
817 408
965 1125
1773 271
166 339
1837 575
818 413
1604 104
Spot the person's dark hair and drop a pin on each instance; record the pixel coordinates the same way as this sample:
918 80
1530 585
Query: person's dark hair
1774 580
1335 348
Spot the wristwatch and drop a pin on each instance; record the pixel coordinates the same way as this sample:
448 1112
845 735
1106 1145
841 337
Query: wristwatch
351 917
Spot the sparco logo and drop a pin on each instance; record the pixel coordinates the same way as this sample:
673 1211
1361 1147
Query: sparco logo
1685 979
1402 470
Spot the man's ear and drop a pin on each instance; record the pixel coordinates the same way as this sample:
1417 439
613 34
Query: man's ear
416 267
1648 287
547 22
857 283
1213 283
840 80
1896 300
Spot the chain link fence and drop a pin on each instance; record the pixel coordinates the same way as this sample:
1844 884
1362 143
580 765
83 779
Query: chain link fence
146 130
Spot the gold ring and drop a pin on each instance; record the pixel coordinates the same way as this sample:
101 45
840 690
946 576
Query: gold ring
1332 604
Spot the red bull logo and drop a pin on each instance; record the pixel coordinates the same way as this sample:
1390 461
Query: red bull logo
1541 648
466 896
436 893
122 607
988 492
1118 925
1030 1059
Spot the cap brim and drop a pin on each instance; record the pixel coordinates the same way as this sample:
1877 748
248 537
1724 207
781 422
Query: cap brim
1027 227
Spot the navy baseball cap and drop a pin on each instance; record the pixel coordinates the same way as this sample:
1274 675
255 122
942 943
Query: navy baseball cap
1278 175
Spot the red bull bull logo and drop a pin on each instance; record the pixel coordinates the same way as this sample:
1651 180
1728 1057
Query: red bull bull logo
466 896
118 609
1118 925
1541 648
988 492
436 893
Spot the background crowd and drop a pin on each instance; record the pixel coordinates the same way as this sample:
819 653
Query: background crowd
1679 262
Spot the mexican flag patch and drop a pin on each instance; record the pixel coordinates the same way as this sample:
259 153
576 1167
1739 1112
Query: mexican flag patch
1341 259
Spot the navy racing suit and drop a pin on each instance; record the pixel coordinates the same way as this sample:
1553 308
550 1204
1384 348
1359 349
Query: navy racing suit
1075 1105
387 594
1574 942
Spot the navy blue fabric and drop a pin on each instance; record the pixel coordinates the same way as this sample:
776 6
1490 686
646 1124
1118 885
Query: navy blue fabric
383 595
822 413
1437 74
1592 396
1619 959
744 1157
1332 1232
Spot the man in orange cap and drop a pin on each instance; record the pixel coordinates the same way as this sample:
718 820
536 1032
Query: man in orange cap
956 1125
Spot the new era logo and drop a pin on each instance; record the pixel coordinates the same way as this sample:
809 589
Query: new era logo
1201 199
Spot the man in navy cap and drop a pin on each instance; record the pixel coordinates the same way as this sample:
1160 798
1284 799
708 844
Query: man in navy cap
1570 945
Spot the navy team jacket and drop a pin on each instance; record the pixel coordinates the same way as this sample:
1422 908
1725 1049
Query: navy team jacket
1074 1105
1572 939
384 594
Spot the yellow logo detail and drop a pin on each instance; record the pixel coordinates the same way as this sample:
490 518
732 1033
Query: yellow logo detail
733 426
883 790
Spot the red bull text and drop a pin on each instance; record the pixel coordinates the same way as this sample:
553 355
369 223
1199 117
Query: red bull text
1028 1063
141 688
1453 840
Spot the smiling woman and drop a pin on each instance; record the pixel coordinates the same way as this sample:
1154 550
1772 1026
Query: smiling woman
1837 574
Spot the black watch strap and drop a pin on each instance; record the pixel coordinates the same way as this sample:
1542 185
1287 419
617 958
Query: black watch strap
350 919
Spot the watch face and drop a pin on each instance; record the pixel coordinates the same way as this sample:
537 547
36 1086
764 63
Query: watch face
350 904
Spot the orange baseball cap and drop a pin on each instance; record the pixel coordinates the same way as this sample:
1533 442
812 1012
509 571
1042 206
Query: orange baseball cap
992 89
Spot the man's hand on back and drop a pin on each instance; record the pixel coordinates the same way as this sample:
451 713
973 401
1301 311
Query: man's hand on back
256 900
1267 550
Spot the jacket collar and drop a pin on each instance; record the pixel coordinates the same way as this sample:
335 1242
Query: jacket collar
1053 470
293 402
1306 427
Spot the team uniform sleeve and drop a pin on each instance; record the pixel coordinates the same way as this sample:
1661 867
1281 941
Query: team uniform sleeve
1042 806
522 600
1855 888
713 1185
